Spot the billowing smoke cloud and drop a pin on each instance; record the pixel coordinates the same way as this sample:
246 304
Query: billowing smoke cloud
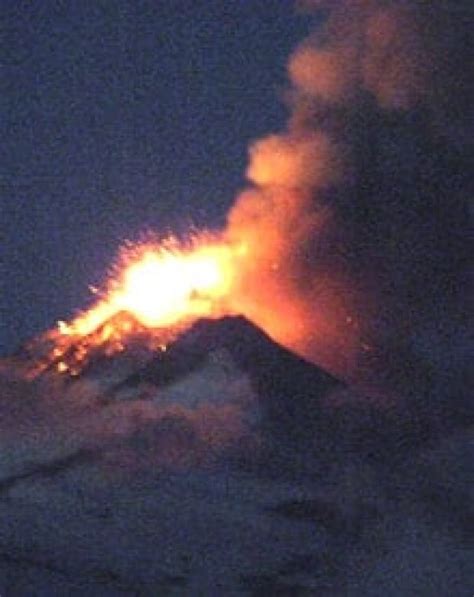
354 218
291 161
371 45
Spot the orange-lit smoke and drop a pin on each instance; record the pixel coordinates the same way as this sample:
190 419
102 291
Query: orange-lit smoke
297 283
370 46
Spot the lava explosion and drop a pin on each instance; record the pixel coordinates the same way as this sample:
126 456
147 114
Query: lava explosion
163 284
155 291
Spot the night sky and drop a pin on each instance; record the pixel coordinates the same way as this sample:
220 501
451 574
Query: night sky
119 118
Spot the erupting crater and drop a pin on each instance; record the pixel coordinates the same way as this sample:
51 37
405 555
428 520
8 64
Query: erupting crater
155 291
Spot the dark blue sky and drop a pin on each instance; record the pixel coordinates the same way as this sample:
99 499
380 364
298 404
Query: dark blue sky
123 117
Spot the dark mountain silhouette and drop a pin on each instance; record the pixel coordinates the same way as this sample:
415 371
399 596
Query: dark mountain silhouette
290 389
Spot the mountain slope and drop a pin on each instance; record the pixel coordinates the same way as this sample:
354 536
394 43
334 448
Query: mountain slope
223 465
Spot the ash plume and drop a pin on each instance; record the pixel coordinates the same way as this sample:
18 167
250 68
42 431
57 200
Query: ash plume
356 214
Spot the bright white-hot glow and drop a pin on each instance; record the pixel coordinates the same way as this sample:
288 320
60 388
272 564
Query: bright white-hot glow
162 285
162 288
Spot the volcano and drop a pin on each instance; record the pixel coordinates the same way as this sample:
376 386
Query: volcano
216 461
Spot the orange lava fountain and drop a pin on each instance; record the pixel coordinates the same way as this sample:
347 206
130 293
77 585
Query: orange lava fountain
155 291
163 284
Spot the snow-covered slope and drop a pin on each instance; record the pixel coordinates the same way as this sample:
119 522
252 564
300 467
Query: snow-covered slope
224 465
